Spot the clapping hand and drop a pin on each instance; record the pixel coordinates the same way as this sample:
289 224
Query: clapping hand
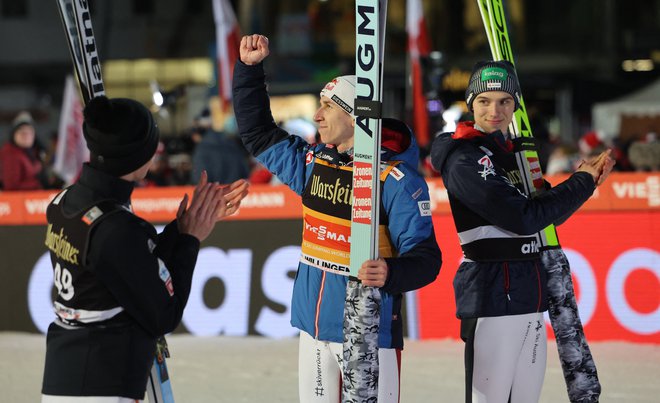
599 167
207 204
233 195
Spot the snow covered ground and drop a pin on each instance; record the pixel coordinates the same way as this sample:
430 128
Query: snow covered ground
254 369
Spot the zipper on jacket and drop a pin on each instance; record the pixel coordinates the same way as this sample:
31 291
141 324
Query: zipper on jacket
318 307
506 280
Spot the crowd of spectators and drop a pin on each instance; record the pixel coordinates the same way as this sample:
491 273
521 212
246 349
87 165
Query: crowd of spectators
637 154
180 160
26 164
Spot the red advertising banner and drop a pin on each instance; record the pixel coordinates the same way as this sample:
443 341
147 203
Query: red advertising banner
612 242
621 192
615 261
158 204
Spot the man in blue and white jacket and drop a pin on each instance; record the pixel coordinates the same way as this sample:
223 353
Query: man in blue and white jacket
500 287
322 175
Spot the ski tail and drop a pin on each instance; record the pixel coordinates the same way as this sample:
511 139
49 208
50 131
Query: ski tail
362 304
77 23
494 19
485 17
159 388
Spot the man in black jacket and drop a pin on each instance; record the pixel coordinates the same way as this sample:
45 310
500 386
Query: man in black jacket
120 285
500 287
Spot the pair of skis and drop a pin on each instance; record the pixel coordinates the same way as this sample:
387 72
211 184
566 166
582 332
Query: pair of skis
362 306
577 363
77 23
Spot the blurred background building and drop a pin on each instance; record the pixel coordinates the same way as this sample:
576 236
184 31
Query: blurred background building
570 55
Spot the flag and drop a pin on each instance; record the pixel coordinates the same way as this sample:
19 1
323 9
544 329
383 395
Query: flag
418 46
71 149
227 36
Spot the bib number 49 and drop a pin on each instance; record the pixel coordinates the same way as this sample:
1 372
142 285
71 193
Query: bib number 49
63 282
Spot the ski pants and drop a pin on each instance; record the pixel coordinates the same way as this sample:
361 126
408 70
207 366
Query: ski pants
505 358
320 371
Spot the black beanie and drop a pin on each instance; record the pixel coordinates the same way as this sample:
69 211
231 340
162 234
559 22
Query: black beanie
493 76
121 134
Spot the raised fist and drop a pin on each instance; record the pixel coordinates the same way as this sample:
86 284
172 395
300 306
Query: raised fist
254 49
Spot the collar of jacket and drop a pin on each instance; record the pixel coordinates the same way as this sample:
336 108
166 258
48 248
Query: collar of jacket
105 185
468 131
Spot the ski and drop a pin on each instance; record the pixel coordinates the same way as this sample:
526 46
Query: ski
77 23
159 389
577 363
362 306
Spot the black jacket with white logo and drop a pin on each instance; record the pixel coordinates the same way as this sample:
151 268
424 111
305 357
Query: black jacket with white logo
497 223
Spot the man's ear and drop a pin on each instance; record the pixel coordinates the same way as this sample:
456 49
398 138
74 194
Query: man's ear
352 122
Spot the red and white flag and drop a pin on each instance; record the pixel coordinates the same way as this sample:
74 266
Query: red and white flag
418 45
71 149
227 36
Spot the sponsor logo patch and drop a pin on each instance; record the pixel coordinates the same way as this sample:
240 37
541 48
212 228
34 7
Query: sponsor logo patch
309 157
397 174
91 215
532 247
332 233
362 178
164 275
488 168
342 104
424 207
494 73
325 265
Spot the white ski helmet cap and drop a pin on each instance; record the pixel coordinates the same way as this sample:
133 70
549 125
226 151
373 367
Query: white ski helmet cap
341 91
493 76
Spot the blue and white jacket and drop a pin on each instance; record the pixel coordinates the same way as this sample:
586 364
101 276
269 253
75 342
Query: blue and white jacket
322 176
497 223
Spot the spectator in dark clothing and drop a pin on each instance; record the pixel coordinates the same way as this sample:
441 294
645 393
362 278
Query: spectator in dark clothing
160 173
220 154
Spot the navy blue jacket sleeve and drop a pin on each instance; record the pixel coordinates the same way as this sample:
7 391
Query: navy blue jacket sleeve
283 154
254 119
493 197
410 226
567 215
414 269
